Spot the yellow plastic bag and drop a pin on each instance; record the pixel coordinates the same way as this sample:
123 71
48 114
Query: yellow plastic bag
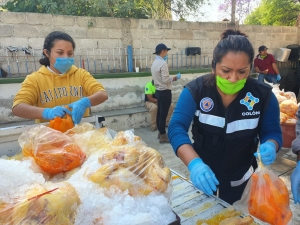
56 206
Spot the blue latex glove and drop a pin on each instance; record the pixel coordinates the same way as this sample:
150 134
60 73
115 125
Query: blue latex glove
79 108
178 75
51 113
278 78
267 153
202 176
295 183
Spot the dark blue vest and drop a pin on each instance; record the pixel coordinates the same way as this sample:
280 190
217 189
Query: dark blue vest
226 138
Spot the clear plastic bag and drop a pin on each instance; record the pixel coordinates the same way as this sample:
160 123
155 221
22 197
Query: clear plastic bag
41 205
129 164
266 197
52 150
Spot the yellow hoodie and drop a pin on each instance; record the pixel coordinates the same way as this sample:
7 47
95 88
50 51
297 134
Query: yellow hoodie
46 89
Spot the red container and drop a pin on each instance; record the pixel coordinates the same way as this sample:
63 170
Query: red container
288 134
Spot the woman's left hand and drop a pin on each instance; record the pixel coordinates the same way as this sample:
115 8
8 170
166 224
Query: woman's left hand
78 109
267 153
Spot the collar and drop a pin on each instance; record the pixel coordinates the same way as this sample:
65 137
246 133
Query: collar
53 71
261 57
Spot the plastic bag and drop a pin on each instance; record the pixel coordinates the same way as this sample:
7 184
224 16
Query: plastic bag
62 124
266 197
133 167
90 139
42 206
52 150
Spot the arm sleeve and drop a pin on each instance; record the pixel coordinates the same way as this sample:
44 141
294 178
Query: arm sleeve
181 120
270 123
28 93
148 89
272 59
296 142
165 74
255 63
90 84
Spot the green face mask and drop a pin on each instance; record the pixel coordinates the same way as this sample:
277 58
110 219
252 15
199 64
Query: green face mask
230 88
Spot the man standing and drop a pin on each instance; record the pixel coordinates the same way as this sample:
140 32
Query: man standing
163 84
265 65
151 105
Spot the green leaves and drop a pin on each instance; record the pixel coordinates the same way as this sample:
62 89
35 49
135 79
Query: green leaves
142 9
275 12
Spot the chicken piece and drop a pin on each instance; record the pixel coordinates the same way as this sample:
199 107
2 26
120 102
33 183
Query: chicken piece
158 178
289 107
147 157
123 138
56 207
280 98
122 178
283 117
103 173
6 212
126 155
237 221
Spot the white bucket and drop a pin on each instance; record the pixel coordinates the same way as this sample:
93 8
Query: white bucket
137 69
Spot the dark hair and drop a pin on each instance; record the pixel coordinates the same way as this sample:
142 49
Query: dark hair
49 43
232 41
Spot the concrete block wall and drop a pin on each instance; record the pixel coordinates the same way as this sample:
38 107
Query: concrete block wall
94 33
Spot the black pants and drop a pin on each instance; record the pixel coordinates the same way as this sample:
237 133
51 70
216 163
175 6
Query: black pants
164 99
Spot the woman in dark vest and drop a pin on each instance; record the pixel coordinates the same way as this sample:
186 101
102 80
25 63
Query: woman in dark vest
231 114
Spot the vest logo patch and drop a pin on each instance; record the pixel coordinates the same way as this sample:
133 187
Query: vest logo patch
206 104
249 101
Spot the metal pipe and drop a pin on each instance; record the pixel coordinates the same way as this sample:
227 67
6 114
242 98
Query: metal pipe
107 61
101 67
95 68
114 60
8 66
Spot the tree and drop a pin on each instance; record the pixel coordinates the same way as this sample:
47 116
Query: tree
275 12
156 9
237 8
111 8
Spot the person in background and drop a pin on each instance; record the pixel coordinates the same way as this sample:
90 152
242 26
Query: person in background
45 93
265 65
231 112
151 105
295 176
163 83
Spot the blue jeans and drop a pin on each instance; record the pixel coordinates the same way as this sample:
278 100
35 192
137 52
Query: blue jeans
271 78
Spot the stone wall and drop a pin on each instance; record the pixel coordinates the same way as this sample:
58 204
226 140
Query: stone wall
30 29
94 33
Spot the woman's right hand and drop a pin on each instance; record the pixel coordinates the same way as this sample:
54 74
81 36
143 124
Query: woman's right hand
202 176
58 111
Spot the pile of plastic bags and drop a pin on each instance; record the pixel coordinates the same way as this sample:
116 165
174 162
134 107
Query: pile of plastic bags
287 104
82 159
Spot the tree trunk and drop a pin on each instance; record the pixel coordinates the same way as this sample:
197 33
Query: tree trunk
233 5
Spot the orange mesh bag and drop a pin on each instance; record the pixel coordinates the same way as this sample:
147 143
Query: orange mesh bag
266 197
53 151
62 124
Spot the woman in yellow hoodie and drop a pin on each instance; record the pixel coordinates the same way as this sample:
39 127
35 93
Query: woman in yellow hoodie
57 83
